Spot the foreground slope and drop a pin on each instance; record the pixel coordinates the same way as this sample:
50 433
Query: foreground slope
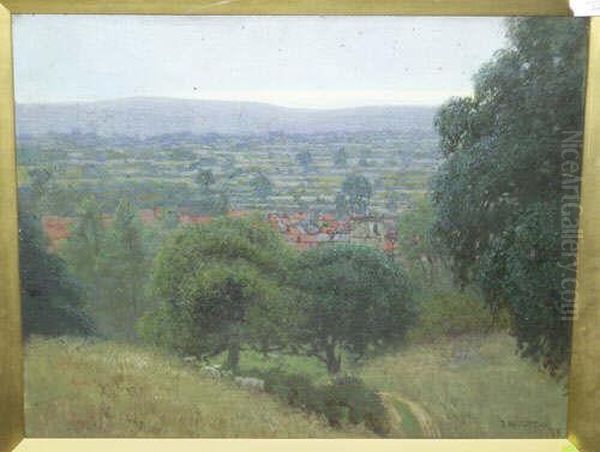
474 386
77 388
470 386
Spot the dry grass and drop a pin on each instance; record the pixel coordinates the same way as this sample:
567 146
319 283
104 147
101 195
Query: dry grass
468 387
474 387
103 389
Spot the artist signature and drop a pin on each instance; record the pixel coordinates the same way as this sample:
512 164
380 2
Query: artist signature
531 425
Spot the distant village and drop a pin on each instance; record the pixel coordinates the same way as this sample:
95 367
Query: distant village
303 230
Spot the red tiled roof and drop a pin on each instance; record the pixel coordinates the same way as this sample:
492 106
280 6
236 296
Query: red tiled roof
195 219
238 213
389 246
149 216
56 229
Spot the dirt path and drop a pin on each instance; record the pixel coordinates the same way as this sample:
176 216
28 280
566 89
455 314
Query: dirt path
428 427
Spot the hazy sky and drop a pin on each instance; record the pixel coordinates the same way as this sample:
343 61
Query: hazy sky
322 62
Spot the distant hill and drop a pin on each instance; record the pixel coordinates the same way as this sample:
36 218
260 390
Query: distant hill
146 117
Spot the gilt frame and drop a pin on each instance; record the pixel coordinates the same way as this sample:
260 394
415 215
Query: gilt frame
584 389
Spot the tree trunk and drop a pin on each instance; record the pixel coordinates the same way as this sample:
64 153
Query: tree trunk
431 269
334 362
233 350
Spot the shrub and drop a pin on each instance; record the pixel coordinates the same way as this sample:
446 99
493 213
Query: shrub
165 327
344 399
348 395
454 313
295 389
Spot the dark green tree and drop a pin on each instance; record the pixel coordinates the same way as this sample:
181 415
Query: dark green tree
355 196
417 241
122 266
304 159
169 218
496 192
83 247
298 195
392 200
205 179
212 199
341 205
364 156
262 187
52 300
220 289
39 181
353 298
340 158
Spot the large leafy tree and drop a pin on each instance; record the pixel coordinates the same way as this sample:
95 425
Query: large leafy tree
353 298
497 191
220 284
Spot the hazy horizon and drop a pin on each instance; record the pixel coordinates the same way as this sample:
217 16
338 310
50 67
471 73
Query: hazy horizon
259 102
294 62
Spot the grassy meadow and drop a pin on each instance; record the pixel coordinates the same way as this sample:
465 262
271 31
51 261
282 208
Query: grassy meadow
473 386
103 389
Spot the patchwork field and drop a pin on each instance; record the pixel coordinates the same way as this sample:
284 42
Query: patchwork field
303 170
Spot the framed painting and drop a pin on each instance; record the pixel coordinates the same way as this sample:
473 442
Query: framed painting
296 226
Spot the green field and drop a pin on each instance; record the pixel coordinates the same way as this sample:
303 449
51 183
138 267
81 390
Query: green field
467 387
85 389
474 386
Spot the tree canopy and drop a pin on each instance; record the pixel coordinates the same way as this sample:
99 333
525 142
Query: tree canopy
355 195
52 301
262 187
211 198
496 193
353 298
417 242
205 178
122 266
220 288
340 157
305 159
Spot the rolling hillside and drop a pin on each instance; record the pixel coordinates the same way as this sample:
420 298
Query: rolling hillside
471 386
85 389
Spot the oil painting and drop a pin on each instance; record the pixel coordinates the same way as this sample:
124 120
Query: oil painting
298 227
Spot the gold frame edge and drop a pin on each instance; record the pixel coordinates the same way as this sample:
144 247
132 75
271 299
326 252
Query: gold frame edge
581 427
294 445
12 423
294 7
584 385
